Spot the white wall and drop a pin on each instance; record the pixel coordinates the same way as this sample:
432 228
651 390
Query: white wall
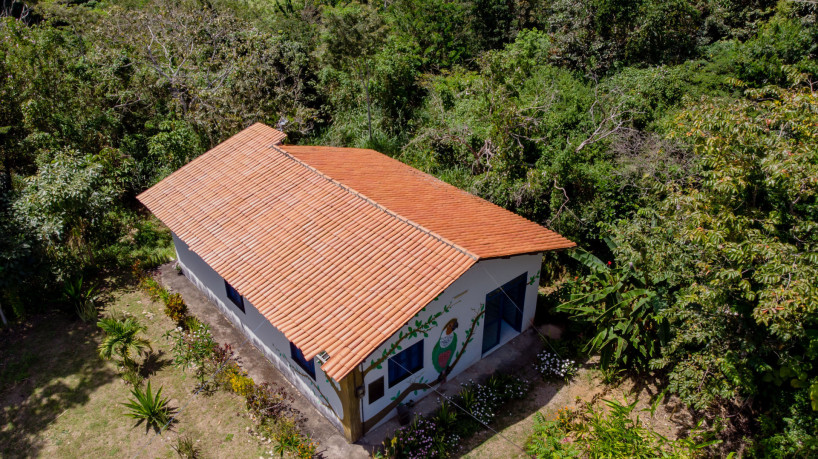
465 295
261 333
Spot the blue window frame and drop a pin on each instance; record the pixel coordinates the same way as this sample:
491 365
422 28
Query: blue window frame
406 363
234 296
505 304
298 356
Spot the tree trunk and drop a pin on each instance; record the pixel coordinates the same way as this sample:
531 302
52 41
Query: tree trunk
368 102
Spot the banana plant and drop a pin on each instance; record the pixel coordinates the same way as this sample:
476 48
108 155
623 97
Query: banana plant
622 306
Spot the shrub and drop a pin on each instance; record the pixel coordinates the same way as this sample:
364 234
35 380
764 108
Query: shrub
191 322
186 448
265 401
148 407
241 384
153 288
288 438
422 438
132 376
175 308
193 349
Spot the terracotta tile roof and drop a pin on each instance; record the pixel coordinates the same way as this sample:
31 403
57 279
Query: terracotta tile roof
474 224
335 263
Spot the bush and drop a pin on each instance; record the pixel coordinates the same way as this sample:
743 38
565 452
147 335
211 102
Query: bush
122 338
191 322
241 384
266 401
153 288
175 308
186 448
132 376
193 348
82 298
288 437
422 438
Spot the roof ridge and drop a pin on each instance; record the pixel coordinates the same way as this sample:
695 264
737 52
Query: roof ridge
375 204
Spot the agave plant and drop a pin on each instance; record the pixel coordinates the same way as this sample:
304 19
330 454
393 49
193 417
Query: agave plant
122 339
149 407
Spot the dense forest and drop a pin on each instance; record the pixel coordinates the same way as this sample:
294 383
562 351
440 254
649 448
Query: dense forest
676 141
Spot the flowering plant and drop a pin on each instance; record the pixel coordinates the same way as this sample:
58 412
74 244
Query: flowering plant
551 366
192 348
439 435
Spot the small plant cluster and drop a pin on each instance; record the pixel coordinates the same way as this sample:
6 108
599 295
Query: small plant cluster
175 306
123 339
267 404
286 434
613 432
276 419
552 366
439 435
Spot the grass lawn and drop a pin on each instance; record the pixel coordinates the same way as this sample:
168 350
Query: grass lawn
58 398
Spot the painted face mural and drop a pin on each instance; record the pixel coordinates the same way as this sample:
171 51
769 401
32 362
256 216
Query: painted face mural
445 347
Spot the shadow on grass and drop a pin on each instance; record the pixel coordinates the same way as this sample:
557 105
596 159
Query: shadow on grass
152 363
63 373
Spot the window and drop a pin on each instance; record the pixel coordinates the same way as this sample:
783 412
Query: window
306 365
504 306
406 363
234 296
376 390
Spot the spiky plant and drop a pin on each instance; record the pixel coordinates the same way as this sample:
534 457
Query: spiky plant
83 298
122 339
149 407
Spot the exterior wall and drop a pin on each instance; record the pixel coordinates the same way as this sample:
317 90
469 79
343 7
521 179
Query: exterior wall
262 333
464 301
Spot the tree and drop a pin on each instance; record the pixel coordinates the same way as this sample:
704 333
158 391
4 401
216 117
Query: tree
65 207
352 35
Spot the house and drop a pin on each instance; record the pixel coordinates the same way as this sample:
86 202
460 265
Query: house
365 281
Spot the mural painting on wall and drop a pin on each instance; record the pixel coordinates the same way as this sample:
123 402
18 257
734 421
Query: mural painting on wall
445 348
445 357
444 351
